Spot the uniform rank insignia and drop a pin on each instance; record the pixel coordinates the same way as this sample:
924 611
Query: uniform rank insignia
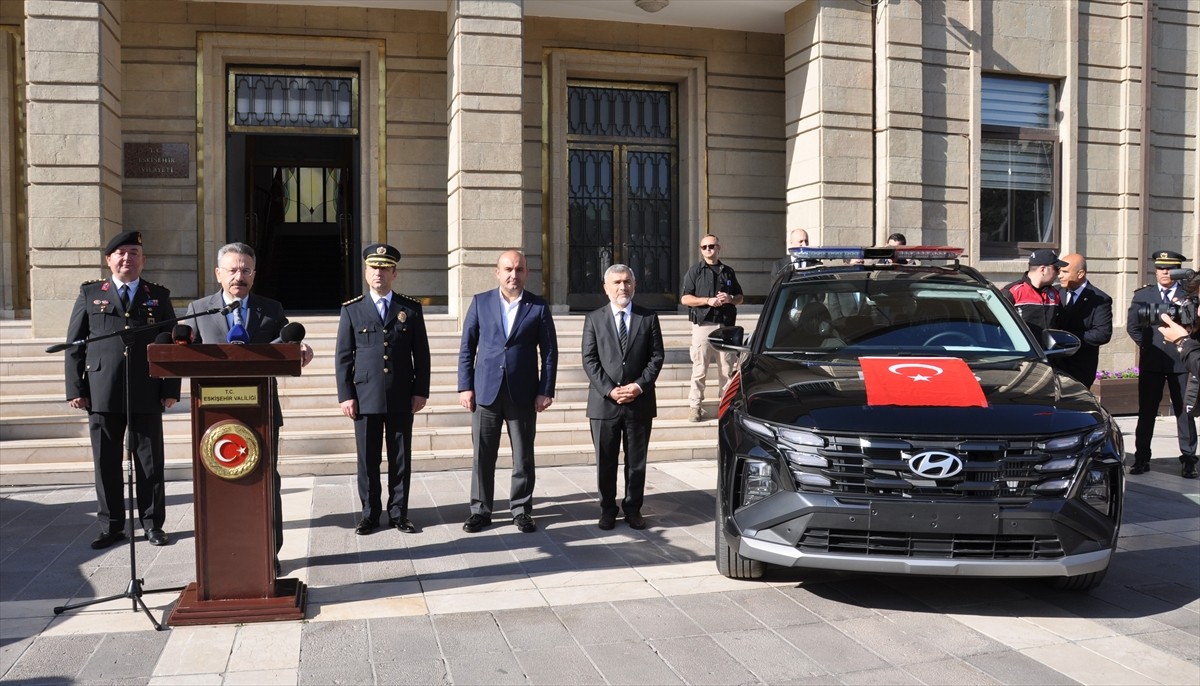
402 317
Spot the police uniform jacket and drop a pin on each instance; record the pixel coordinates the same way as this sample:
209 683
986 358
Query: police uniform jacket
97 370
1155 353
382 364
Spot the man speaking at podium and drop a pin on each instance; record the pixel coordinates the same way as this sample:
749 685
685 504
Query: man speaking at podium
257 320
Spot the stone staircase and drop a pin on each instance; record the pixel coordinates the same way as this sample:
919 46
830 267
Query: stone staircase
44 441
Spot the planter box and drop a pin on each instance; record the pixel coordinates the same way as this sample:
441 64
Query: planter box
1120 397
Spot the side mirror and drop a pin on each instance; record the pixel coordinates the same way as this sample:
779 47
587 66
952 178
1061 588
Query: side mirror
1058 342
729 339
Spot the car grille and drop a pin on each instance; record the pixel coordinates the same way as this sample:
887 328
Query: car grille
940 546
879 467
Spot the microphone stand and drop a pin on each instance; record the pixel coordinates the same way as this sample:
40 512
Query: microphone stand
134 590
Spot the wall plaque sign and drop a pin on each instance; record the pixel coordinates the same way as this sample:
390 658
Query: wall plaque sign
156 160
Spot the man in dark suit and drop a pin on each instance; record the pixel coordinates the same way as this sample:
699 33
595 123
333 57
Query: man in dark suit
797 238
258 320
507 364
382 370
95 376
622 355
1159 363
1087 313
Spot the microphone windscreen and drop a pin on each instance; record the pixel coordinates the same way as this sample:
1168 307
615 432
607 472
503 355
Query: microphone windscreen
293 332
237 334
182 334
163 337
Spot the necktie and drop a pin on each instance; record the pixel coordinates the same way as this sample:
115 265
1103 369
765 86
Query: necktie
125 296
383 309
1166 295
1070 298
622 332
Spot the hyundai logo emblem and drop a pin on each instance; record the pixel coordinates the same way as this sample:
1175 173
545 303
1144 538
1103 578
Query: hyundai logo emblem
935 464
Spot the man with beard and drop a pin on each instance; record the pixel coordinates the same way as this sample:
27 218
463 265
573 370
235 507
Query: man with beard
622 355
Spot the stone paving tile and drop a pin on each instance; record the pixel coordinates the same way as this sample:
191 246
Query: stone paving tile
554 665
716 613
1084 665
395 639
950 672
700 660
425 671
657 618
831 650
631 662
767 656
122 656
334 644
533 628
888 676
274 645
484 669
54 658
1017 669
772 607
597 623
468 634
263 677
360 673
200 650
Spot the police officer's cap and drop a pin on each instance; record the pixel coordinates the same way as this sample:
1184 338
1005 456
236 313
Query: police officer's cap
380 255
126 238
1168 259
1045 257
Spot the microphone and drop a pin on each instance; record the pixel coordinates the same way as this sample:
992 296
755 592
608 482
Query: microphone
182 334
238 334
292 332
163 337
231 307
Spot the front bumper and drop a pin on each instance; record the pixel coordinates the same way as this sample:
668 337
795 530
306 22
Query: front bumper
1049 538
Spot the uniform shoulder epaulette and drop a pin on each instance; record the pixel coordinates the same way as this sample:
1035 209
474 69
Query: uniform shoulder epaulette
351 301
409 298
88 283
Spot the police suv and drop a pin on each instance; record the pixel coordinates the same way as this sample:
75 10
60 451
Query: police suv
893 414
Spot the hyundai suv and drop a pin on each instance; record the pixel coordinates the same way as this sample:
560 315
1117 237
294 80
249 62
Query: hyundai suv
890 416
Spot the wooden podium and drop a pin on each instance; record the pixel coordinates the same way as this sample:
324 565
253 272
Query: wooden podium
233 464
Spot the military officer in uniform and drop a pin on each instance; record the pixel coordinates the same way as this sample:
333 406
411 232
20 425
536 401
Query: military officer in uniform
95 376
1159 363
382 370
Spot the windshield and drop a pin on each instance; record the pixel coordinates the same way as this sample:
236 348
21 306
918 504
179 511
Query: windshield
861 316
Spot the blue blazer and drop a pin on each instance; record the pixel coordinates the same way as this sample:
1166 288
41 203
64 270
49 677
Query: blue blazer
527 358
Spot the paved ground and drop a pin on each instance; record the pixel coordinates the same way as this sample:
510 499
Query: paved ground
573 605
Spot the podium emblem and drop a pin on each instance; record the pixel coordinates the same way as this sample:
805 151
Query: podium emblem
230 450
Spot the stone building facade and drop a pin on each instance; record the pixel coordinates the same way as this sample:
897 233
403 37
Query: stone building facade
585 133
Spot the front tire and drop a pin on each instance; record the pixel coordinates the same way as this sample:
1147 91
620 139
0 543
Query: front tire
1083 582
729 562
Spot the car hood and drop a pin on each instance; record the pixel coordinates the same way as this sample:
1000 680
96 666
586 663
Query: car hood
1023 396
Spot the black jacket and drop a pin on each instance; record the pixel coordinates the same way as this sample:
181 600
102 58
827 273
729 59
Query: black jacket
1089 318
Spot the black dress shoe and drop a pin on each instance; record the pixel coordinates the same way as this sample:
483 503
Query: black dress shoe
476 522
607 521
106 539
524 523
635 520
404 525
1140 468
157 537
1189 471
366 526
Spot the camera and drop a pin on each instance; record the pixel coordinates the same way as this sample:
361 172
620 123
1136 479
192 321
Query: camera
1183 312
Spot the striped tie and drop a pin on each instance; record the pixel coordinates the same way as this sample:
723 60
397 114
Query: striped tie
622 332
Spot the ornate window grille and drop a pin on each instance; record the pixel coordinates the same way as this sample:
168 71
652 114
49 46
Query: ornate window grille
315 101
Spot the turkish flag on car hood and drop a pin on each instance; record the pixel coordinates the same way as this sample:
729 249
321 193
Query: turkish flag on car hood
921 382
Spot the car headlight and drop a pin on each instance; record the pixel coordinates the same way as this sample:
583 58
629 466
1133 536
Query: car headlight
758 481
1097 490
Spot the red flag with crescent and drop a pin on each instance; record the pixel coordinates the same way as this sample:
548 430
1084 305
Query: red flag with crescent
921 382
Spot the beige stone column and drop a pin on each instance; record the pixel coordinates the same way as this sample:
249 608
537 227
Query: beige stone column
484 179
827 89
73 62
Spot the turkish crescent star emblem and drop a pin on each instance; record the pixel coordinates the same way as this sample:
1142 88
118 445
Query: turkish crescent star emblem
895 369
230 450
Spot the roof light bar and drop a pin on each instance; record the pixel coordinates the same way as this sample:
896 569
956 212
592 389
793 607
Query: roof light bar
927 252
832 253
849 252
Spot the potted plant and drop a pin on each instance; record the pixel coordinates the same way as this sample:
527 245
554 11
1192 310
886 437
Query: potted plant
1118 392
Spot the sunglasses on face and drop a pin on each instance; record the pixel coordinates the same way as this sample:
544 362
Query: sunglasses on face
709 246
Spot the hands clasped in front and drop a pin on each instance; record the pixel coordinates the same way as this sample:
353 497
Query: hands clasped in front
623 395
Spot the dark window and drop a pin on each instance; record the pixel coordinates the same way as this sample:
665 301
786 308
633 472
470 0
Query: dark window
1019 179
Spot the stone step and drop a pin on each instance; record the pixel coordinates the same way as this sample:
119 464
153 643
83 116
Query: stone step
81 473
177 420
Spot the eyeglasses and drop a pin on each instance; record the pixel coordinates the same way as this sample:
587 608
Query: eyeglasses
709 246
235 272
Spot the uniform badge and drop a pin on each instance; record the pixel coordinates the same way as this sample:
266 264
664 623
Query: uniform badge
105 286
381 250
402 317
152 303
102 303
